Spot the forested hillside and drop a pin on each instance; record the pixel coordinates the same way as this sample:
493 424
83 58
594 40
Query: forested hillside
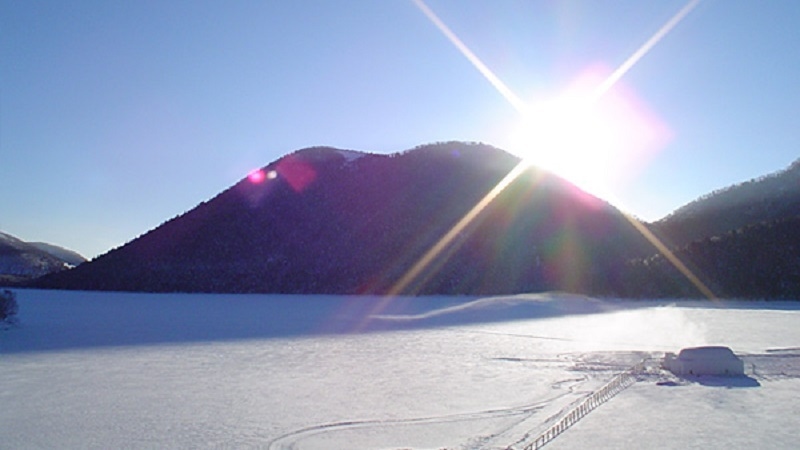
759 261
742 241
766 199
323 220
329 221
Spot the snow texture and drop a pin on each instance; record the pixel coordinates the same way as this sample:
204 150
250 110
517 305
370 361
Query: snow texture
350 155
111 370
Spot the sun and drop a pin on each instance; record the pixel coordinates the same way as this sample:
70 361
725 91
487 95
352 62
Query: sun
597 142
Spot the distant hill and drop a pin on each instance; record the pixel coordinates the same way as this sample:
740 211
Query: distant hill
68 256
742 241
323 220
760 261
770 198
21 261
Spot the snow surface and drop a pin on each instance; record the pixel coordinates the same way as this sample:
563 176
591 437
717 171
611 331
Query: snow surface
112 370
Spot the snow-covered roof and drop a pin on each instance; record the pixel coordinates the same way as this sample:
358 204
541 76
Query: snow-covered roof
708 352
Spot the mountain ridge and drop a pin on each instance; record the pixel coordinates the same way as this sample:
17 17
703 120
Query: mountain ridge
21 261
775 196
322 221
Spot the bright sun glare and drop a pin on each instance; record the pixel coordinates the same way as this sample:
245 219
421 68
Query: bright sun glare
594 133
595 141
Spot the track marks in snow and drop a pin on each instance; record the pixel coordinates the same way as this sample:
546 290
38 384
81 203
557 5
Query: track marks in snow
566 393
775 364
292 440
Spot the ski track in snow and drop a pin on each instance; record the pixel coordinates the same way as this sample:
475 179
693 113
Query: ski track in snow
572 391
293 439
775 363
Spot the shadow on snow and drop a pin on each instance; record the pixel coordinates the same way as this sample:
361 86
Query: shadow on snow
56 320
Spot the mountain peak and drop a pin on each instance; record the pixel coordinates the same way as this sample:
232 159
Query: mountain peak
338 221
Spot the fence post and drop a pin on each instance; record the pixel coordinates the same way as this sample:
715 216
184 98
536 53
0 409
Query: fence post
605 393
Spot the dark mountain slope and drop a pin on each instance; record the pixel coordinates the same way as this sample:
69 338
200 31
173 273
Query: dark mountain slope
759 261
770 198
742 241
323 220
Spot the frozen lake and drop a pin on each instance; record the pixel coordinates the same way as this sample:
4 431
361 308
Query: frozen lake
110 370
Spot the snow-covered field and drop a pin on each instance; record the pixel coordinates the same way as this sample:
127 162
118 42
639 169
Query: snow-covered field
110 370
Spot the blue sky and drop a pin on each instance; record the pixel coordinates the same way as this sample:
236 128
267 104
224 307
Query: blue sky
117 116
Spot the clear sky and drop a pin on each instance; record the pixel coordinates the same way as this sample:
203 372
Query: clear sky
116 116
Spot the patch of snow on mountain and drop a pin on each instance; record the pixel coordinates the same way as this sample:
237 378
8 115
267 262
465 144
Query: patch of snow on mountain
350 155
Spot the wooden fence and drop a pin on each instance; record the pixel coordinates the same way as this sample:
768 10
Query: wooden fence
598 397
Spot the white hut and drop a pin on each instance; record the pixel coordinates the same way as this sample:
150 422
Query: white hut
713 360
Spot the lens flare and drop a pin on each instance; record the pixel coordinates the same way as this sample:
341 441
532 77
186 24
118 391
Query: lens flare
490 76
600 91
597 143
423 263
299 173
257 176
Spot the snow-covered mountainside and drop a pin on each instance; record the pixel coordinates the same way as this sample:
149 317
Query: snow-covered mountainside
70 257
21 260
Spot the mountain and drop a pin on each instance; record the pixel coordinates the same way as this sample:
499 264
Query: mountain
758 261
742 242
20 260
323 220
773 197
70 257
